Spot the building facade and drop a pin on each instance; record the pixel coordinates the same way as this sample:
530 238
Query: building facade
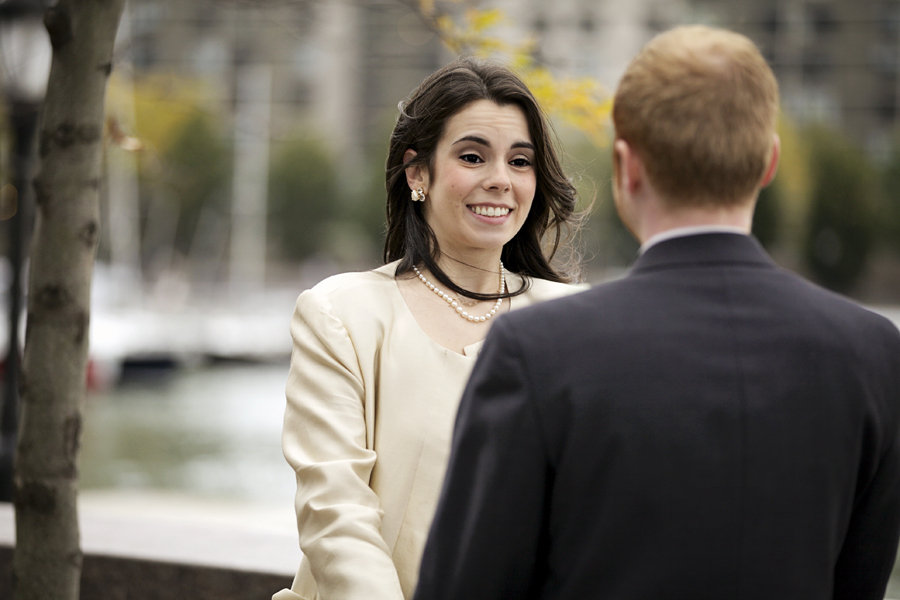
836 60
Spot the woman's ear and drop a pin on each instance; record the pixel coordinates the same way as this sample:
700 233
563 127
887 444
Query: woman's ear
417 174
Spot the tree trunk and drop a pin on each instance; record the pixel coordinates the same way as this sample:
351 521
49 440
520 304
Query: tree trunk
47 560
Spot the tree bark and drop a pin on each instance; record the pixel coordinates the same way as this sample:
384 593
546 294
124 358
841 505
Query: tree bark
47 560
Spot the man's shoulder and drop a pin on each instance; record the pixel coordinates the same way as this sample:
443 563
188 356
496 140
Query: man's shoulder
867 325
814 299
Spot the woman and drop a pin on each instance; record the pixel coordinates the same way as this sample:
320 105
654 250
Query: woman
475 192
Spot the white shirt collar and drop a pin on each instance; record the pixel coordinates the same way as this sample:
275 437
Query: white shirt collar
686 231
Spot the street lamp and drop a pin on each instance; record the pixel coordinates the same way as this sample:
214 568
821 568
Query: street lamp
24 67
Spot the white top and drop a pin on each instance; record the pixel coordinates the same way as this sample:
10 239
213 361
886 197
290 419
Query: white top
371 401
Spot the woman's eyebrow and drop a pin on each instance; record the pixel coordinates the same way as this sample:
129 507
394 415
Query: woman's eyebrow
480 140
473 138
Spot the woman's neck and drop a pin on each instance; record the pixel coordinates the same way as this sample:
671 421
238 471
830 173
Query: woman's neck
477 274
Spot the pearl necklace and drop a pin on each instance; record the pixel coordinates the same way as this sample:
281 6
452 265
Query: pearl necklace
457 306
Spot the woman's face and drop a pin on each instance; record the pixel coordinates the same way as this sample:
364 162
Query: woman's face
482 181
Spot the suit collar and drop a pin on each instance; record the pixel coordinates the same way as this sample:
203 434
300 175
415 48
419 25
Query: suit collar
686 231
705 248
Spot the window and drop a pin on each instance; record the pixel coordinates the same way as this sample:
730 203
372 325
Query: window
821 19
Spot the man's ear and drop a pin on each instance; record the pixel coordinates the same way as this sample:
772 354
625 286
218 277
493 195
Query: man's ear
628 166
769 175
416 175
627 183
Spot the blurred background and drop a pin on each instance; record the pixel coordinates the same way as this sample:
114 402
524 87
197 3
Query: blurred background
245 148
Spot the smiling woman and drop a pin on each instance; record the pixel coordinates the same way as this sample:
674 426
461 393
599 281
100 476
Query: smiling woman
380 358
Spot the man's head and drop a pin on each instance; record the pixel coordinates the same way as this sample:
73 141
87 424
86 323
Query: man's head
698 105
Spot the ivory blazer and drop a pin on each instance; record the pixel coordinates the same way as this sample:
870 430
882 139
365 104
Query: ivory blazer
371 401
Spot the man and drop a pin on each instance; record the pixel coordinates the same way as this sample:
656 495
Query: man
709 427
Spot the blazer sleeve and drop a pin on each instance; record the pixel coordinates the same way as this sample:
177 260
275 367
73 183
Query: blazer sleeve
485 539
867 555
324 440
870 544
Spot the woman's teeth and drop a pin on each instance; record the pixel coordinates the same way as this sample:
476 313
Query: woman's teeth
490 211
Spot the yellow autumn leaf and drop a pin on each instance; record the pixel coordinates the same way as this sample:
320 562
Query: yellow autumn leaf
426 7
480 20
580 102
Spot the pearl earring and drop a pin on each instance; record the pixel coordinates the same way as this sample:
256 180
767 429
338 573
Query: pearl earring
418 195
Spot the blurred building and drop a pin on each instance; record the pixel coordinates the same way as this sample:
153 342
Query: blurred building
836 60
275 73
340 67
587 38
336 68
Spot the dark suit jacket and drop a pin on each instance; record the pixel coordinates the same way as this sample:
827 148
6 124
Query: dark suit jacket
708 427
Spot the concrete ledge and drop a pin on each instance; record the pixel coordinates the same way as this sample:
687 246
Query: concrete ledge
143 546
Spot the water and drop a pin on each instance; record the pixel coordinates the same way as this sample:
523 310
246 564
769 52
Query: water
212 431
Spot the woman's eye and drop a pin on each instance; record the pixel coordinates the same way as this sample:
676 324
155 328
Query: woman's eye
471 158
520 162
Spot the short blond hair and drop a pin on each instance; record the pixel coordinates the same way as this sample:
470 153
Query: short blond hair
699 105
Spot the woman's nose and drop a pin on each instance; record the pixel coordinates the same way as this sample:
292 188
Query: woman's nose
498 178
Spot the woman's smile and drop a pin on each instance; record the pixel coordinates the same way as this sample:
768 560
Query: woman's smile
493 212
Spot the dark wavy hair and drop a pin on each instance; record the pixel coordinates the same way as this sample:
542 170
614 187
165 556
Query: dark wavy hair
423 116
